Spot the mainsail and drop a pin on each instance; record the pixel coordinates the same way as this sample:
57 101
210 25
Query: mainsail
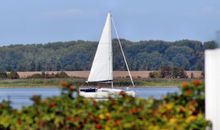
102 69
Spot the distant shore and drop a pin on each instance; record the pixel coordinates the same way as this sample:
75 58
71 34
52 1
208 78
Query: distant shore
116 74
55 82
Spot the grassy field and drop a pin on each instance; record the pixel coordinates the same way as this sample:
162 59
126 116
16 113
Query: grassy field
35 82
55 82
162 82
116 74
141 78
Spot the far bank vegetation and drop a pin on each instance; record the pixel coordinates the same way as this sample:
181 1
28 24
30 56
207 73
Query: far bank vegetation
78 55
152 59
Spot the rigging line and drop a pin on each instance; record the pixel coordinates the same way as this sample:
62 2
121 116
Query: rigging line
126 63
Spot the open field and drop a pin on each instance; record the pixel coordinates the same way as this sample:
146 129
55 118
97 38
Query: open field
117 74
34 82
141 78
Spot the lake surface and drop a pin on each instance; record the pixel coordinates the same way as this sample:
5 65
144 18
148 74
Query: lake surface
21 96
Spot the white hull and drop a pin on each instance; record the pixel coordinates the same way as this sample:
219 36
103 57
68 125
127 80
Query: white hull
105 93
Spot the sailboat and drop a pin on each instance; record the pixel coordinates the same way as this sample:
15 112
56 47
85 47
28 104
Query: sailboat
102 66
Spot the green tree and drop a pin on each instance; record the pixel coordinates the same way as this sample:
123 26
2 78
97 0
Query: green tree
13 75
3 75
210 45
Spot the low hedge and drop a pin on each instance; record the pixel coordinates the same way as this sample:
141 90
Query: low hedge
178 111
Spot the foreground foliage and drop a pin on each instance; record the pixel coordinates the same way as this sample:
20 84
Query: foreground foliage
183 111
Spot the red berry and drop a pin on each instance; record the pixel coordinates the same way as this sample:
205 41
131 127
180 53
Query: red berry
52 105
71 88
117 122
184 85
98 126
122 93
182 109
196 83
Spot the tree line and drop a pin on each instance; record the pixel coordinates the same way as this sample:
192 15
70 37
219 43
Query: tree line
78 55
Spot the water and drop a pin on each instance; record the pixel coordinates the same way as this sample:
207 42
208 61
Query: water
156 92
21 96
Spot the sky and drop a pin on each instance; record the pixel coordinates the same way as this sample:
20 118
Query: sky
42 21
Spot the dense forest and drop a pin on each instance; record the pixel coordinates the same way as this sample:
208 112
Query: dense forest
78 55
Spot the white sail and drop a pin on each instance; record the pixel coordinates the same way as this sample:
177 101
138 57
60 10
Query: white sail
102 64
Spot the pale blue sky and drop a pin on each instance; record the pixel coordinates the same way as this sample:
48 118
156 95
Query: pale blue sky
41 21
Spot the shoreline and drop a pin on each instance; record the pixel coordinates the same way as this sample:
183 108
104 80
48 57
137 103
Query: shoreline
55 83
88 86
116 74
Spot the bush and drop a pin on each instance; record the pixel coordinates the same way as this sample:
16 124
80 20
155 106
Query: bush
192 75
3 75
61 75
13 75
36 76
168 72
184 111
179 73
47 75
154 75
